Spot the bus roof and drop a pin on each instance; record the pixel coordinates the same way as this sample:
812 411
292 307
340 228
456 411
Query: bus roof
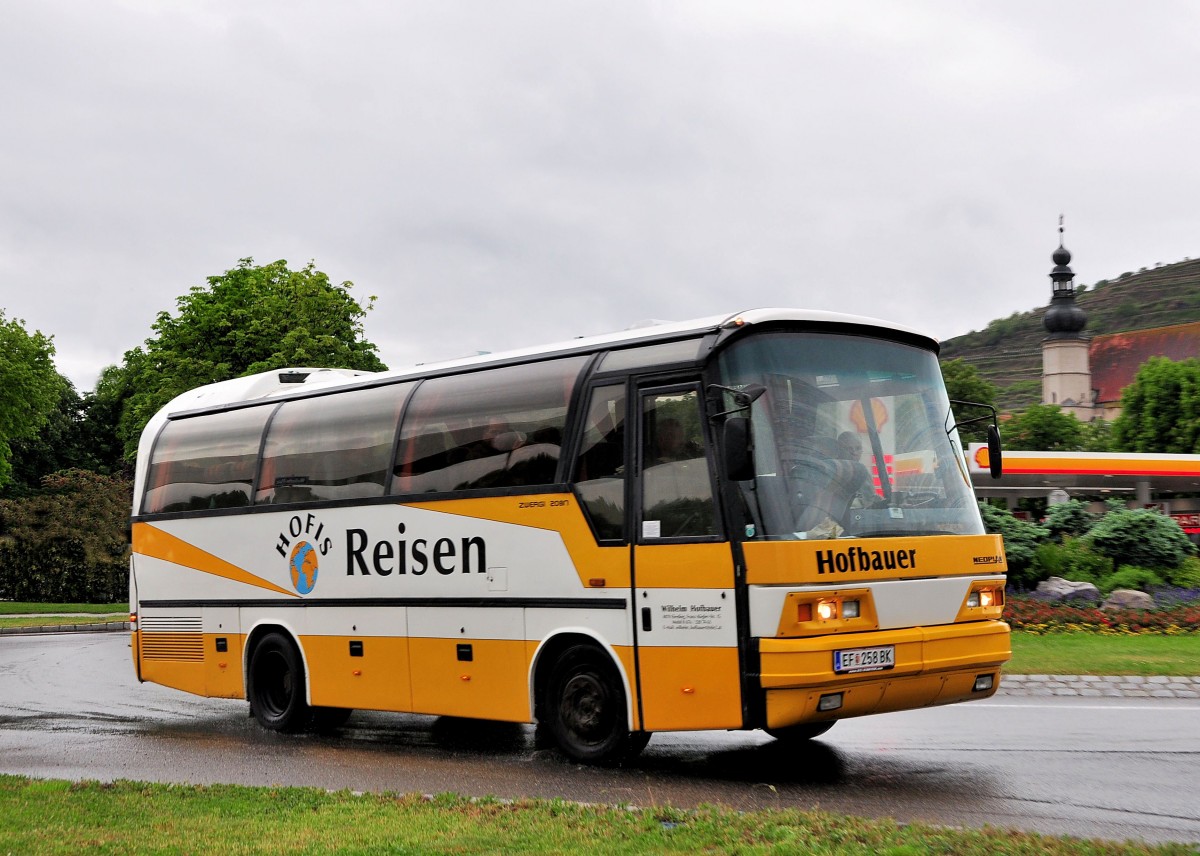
279 382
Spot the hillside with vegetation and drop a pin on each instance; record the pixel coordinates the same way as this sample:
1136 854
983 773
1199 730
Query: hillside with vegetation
1008 352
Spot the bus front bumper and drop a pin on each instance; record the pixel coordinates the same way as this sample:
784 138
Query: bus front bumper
933 665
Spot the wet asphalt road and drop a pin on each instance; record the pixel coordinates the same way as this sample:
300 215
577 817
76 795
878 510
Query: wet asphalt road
1112 768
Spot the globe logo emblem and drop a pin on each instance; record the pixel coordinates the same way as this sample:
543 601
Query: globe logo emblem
303 565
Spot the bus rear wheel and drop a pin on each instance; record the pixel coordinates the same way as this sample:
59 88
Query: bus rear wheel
277 696
586 710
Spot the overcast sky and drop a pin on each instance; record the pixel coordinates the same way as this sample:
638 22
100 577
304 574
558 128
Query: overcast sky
501 174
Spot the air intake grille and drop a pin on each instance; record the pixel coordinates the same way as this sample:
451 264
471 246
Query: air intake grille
172 638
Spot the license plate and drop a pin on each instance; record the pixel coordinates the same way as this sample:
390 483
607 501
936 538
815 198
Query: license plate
864 659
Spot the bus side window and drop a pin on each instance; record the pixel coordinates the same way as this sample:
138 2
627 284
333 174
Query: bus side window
331 447
495 429
600 467
205 462
677 498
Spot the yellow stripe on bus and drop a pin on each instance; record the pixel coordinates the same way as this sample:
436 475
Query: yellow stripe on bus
154 543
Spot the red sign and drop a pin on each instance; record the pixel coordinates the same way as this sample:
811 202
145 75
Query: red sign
1190 522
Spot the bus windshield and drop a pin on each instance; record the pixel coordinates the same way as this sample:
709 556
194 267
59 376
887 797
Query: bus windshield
853 438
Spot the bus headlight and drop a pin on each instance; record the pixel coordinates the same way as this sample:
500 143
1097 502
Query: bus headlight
813 613
985 596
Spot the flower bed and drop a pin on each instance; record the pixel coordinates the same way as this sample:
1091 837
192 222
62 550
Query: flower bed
1178 613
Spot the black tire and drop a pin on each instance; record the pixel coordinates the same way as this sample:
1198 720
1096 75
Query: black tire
586 710
277 689
801 732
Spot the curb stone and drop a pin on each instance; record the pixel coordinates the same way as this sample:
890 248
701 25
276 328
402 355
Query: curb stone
93 627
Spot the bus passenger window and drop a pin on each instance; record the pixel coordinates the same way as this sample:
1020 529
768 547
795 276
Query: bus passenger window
331 447
600 468
677 498
205 462
500 428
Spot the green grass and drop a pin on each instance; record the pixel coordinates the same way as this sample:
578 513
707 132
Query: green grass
1094 654
10 607
128 818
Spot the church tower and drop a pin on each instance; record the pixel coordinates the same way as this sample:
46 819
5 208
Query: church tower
1066 374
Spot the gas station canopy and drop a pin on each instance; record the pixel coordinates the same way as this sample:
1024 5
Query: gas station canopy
1085 474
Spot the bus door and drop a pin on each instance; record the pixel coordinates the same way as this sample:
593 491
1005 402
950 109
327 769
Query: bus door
683 571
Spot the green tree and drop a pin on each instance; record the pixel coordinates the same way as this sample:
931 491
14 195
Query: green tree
1097 436
249 319
55 446
30 387
1160 410
1044 428
964 383
1140 537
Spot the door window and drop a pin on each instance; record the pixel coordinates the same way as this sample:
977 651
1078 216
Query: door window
677 498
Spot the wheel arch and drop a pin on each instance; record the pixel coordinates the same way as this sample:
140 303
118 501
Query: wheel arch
257 633
553 646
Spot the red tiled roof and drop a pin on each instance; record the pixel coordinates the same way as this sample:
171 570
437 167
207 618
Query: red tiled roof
1115 358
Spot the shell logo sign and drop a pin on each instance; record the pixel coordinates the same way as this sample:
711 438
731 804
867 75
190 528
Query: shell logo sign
981 458
879 413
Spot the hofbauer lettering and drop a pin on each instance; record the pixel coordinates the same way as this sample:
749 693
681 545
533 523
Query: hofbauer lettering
858 560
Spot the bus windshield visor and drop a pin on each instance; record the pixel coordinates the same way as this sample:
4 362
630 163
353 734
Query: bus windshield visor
853 438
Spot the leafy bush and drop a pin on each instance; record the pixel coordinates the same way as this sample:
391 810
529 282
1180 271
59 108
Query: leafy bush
1021 540
1071 560
1140 537
1130 577
1186 576
1081 564
68 542
1049 560
1069 518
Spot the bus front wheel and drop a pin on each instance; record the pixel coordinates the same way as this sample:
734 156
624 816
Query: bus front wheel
586 709
277 697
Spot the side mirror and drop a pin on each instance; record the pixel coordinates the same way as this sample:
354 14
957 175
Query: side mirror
737 448
995 464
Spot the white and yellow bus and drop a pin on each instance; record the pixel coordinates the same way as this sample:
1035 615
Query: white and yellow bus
754 521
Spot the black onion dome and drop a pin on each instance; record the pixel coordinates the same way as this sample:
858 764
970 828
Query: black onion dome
1063 320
